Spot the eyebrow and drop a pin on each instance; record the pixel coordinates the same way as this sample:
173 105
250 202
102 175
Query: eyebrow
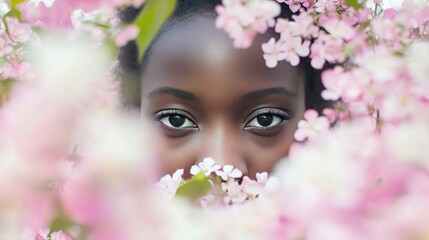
174 92
269 91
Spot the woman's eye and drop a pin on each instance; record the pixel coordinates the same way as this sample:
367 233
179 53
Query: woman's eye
266 118
265 121
177 121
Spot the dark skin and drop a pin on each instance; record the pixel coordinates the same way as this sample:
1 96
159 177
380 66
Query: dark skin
208 99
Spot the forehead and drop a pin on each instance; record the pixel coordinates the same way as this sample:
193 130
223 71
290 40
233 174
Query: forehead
195 55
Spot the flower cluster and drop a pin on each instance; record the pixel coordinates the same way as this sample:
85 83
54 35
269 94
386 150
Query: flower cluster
228 185
380 73
243 20
13 35
75 165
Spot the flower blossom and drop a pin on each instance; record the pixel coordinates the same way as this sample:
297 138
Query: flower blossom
348 86
228 171
60 235
127 34
170 183
311 126
19 71
273 53
243 20
235 193
18 32
326 48
207 166
286 49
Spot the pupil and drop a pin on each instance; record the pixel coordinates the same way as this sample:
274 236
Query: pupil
265 120
176 120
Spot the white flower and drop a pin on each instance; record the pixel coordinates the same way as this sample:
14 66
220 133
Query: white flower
262 177
207 166
228 171
235 193
169 184
48 3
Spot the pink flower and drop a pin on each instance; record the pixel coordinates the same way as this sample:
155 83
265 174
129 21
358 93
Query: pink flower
273 53
294 5
234 191
331 114
60 235
304 25
228 171
5 47
169 184
47 3
207 166
294 48
262 177
18 32
243 20
326 48
339 28
19 71
311 126
57 13
43 234
127 34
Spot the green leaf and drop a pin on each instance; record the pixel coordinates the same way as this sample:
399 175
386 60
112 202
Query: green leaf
14 3
197 187
14 13
356 4
150 20
61 223
6 86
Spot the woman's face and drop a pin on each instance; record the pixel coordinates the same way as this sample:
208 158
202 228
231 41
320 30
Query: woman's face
208 99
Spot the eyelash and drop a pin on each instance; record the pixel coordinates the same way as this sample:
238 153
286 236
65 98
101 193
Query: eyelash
281 114
191 124
159 116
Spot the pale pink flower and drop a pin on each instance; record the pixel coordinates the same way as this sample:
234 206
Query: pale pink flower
381 64
262 177
331 114
252 187
273 53
207 201
264 12
43 234
295 48
47 3
229 171
57 14
386 29
20 71
169 184
18 32
418 67
243 20
207 166
348 86
5 47
60 235
294 5
326 48
234 191
127 34
338 28
311 126
304 25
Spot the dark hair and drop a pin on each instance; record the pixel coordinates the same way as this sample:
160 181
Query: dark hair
187 10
